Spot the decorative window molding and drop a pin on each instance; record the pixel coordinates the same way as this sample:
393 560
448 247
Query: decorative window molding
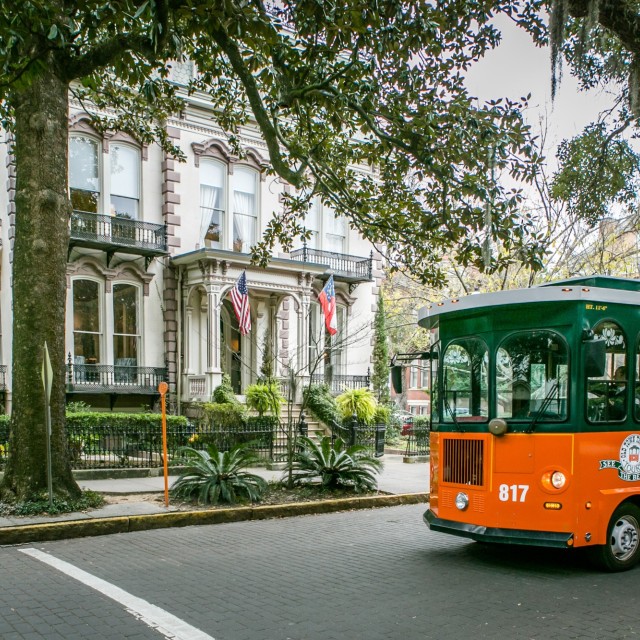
111 137
88 266
213 148
81 123
219 150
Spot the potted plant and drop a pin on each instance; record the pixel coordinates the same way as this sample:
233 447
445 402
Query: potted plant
358 402
265 397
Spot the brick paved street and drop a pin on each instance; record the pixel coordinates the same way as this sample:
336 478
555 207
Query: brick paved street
372 575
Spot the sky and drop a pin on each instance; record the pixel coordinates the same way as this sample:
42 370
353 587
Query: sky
517 67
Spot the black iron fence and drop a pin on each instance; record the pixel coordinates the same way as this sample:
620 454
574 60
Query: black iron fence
369 436
96 447
140 445
418 440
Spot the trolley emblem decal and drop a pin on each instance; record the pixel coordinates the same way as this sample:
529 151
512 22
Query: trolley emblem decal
629 464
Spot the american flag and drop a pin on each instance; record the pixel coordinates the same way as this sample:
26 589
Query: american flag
327 299
240 302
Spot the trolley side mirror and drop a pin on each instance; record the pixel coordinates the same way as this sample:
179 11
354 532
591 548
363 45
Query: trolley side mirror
396 377
595 358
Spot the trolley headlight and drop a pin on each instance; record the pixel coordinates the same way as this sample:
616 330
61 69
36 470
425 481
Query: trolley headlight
558 479
462 501
555 480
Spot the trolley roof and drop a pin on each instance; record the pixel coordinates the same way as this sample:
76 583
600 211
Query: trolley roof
599 289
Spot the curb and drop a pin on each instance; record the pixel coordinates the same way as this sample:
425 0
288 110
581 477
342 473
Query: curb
46 532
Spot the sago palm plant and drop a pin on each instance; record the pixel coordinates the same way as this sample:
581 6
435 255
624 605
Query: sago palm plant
337 466
214 476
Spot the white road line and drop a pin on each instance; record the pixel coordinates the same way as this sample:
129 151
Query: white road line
155 617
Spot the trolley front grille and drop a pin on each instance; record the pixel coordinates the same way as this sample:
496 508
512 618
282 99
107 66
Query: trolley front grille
463 461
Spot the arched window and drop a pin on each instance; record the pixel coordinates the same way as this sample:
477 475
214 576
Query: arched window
245 209
87 326
212 203
84 174
125 181
607 394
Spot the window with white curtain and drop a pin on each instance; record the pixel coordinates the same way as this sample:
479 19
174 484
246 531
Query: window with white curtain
245 209
212 203
125 181
84 174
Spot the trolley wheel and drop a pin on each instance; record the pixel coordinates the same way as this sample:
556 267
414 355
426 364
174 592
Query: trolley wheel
622 551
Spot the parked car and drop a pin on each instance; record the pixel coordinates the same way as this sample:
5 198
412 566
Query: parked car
406 421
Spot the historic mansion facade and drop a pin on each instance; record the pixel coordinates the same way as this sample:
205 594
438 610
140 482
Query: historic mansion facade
155 247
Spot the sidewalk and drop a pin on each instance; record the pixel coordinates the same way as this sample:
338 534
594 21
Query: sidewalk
404 482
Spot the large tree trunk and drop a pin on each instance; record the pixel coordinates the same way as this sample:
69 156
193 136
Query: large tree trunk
39 287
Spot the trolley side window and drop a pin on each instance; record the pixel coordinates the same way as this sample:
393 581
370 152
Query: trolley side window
636 399
532 376
465 384
433 379
607 394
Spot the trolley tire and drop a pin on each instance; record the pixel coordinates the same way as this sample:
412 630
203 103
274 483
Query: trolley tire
622 551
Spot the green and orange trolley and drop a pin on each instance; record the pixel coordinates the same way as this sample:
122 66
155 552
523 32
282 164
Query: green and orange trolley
535 426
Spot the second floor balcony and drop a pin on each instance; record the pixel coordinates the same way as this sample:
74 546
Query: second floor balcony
117 234
345 268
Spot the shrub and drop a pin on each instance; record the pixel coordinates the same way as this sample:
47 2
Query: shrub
40 504
360 402
336 467
321 404
265 397
223 393
225 415
382 415
422 423
212 476
122 421
421 430
78 406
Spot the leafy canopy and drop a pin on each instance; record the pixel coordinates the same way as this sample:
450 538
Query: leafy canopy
335 89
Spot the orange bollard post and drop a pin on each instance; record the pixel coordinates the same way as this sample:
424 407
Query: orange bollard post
163 388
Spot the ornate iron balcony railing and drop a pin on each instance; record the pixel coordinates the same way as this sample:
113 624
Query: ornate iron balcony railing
3 377
103 378
344 267
112 233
